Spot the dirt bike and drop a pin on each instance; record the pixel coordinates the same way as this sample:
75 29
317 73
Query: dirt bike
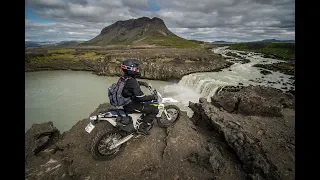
111 141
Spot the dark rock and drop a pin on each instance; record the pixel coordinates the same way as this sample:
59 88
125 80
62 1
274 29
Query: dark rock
161 155
265 72
291 91
257 163
252 100
283 67
217 164
39 137
244 61
233 54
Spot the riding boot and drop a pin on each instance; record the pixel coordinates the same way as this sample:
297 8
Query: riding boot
143 128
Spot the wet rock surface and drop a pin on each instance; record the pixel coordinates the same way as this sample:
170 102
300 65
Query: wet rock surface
283 67
265 72
237 58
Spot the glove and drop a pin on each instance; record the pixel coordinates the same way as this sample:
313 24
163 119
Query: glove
141 83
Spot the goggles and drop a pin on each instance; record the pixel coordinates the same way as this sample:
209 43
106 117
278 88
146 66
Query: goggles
135 69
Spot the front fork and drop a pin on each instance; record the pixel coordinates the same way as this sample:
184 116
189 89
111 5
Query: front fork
163 110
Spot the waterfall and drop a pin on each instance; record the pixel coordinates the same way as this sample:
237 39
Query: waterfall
202 85
205 84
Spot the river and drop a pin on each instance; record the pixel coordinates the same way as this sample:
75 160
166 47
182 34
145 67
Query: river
64 97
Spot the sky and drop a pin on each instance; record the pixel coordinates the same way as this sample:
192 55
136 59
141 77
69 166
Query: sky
205 20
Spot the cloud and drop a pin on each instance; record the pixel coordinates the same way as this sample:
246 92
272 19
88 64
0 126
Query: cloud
236 20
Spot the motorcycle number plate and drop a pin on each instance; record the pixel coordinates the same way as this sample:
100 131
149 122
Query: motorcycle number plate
89 127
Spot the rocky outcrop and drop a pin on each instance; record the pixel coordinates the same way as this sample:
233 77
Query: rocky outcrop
175 69
265 72
164 154
166 71
233 54
253 100
38 137
255 140
238 58
283 67
213 144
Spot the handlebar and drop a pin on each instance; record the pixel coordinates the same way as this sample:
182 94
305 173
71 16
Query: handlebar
152 90
155 92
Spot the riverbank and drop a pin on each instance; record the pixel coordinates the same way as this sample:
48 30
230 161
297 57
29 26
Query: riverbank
283 67
218 142
275 50
158 63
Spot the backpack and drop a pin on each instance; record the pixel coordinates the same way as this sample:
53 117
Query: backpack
115 93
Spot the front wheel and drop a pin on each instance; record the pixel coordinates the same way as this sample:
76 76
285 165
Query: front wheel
100 146
173 112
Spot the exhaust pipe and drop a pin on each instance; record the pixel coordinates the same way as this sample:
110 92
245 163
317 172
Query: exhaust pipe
121 141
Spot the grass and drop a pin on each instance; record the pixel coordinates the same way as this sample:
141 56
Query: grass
63 53
166 41
285 51
61 50
46 56
172 41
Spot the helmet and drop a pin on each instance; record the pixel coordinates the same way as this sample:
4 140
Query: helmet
131 67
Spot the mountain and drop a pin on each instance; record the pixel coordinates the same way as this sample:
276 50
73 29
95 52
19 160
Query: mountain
141 31
68 43
275 40
221 42
52 43
31 44
38 43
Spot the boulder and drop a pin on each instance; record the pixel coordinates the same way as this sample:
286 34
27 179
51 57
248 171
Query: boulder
253 100
39 137
257 141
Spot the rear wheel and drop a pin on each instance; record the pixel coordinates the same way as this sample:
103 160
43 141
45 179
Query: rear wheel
173 112
100 146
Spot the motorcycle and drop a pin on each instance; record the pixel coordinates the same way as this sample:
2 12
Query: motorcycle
111 141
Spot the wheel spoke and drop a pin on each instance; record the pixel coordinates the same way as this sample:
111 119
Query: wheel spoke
173 114
106 142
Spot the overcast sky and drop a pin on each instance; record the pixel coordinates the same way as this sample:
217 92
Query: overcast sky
208 20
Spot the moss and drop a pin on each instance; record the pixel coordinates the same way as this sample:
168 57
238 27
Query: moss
61 50
285 51
171 41
90 55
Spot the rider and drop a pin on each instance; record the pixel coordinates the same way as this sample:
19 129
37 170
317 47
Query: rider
139 101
